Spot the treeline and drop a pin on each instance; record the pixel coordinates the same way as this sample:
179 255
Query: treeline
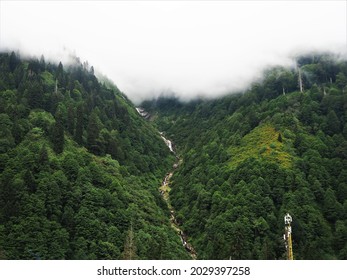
250 158
79 168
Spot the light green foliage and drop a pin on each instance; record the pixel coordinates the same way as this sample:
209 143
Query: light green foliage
262 142
41 119
49 80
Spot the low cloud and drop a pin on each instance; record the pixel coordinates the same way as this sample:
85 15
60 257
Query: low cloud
188 48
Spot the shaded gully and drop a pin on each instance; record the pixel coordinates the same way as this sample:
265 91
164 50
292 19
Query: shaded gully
165 193
164 190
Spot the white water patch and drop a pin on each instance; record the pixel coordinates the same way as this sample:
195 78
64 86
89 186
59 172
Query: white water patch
167 142
142 112
146 115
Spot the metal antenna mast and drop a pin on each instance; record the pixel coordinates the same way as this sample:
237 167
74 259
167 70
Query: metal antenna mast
288 236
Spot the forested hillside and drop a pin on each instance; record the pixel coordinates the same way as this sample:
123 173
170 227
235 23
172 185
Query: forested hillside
80 169
250 158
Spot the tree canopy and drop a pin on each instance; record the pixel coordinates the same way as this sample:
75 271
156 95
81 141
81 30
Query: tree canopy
79 167
251 157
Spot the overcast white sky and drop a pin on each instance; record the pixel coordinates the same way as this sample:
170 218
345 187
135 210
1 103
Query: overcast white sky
191 48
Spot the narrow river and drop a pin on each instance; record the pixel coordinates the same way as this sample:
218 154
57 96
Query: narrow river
164 190
165 193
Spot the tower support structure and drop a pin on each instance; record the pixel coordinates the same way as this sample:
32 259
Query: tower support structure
288 236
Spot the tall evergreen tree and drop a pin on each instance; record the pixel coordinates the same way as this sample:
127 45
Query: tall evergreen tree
79 125
35 94
93 130
279 138
30 181
43 156
14 61
60 74
42 63
70 120
333 123
58 137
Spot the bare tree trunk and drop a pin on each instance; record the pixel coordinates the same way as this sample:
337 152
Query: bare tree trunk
300 80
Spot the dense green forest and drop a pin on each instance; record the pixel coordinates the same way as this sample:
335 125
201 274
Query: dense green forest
251 157
80 169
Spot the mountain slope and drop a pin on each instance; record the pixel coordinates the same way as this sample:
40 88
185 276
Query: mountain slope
250 158
80 169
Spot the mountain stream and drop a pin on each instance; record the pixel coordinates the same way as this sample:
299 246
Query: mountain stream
165 193
164 190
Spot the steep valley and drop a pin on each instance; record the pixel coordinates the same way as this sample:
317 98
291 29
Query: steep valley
250 158
84 174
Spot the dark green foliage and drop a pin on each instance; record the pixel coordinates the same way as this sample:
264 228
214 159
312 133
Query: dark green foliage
58 137
60 199
279 138
6 139
14 61
93 130
34 94
71 120
79 125
80 168
333 125
250 158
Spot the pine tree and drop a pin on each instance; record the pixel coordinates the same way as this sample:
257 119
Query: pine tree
58 137
71 120
60 74
35 94
330 205
79 125
43 156
279 138
93 130
14 61
333 123
112 149
42 63
30 180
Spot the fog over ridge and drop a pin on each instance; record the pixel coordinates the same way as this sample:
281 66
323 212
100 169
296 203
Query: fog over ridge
193 48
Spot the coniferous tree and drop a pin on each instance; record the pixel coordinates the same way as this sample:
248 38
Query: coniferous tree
79 124
42 63
35 94
13 61
58 137
30 180
7 140
60 74
43 156
112 148
93 130
332 123
70 120
279 138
